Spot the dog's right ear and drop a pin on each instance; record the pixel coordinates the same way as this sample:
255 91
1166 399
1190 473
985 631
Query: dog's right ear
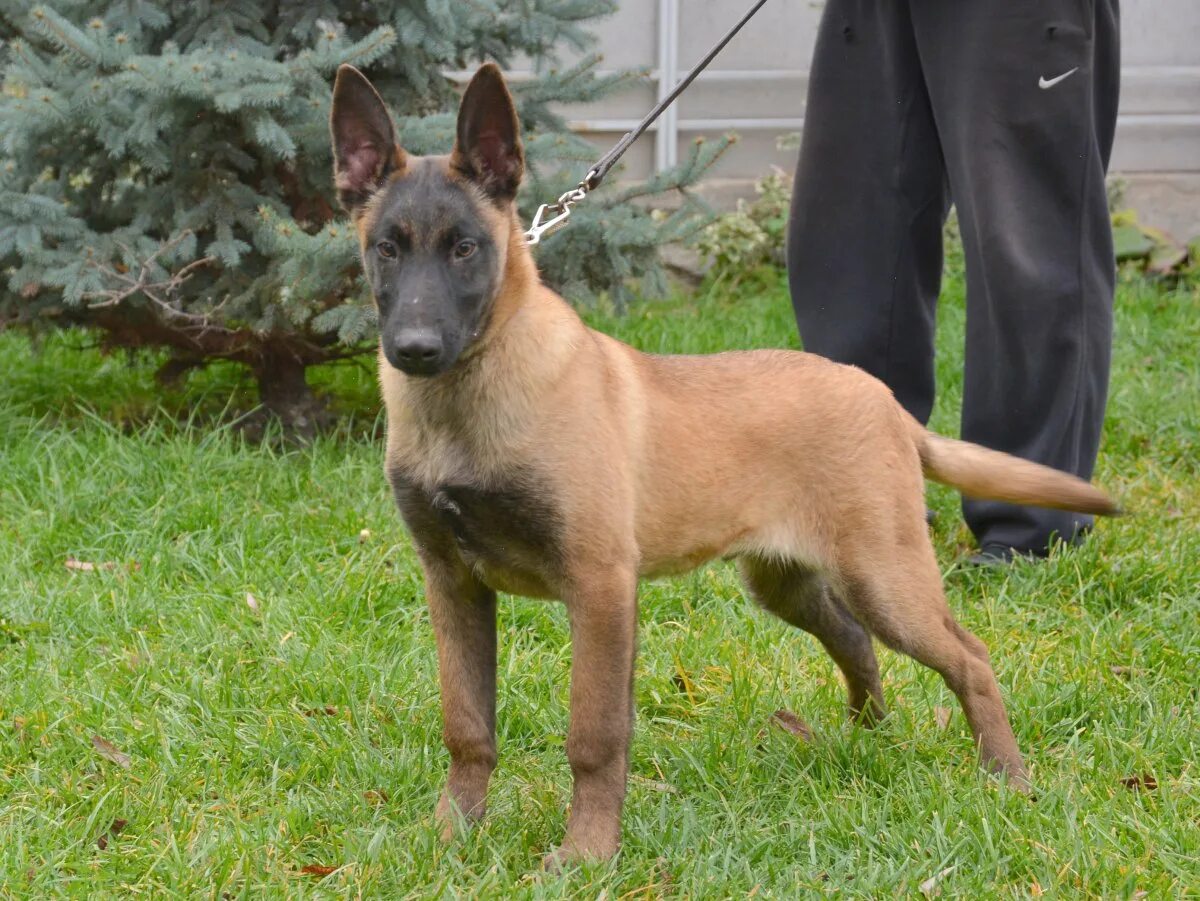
365 151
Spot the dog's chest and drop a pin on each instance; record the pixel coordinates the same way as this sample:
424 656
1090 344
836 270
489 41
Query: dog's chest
510 534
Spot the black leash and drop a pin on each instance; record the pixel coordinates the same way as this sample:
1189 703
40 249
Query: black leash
551 216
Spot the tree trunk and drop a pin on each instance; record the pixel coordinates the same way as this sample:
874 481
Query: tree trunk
284 391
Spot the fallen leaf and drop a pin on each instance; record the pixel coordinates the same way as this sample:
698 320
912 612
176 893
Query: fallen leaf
930 885
943 715
87 566
252 602
316 869
655 785
789 722
1036 889
377 796
114 830
1121 670
110 752
322 711
1139 895
1137 783
364 536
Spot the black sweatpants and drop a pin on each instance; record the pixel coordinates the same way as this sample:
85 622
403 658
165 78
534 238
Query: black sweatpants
1007 109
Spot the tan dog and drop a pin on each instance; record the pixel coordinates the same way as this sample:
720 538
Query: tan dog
533 455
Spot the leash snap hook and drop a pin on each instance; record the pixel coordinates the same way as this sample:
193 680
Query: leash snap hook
544 221
551 216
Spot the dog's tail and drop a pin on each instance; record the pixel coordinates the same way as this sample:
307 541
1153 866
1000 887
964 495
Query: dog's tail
991 475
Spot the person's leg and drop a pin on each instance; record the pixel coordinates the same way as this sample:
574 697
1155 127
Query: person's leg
865 236
1024 93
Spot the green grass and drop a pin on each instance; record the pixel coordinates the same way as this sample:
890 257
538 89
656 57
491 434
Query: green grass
240 776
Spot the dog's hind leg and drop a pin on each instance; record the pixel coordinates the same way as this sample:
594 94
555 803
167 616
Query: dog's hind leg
900 599
800 597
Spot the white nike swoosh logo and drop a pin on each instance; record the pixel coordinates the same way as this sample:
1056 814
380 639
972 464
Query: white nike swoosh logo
1047 83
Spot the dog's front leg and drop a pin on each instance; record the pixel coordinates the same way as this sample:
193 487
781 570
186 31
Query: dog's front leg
463 612
603 613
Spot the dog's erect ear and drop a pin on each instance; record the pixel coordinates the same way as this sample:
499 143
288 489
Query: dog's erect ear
488 148
365 152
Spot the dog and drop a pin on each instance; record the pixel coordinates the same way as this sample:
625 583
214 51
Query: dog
532 455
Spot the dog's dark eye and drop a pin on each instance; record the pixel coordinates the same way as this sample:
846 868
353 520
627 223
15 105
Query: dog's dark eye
386 249
465 248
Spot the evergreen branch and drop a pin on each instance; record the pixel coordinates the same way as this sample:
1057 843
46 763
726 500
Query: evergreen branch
64 33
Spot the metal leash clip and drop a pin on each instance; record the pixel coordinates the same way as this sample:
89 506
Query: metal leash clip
551 216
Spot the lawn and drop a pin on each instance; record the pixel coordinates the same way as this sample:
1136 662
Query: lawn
259 650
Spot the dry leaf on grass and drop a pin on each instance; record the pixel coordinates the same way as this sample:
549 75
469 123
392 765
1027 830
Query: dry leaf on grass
87 566
321 711
117 827
377 796
943 715
316 869
111 752
364 536
930 886
252 602
789 722
654 785
1137 783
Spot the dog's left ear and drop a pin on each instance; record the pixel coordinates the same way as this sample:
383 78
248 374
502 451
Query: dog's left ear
488 148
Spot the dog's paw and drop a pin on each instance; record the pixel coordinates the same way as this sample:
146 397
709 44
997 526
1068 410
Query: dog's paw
1019 782
571 854
453 822
559 861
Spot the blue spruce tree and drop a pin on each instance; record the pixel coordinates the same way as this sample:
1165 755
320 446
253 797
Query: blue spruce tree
164 168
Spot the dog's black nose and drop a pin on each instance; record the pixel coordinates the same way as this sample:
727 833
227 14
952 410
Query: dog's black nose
417 350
